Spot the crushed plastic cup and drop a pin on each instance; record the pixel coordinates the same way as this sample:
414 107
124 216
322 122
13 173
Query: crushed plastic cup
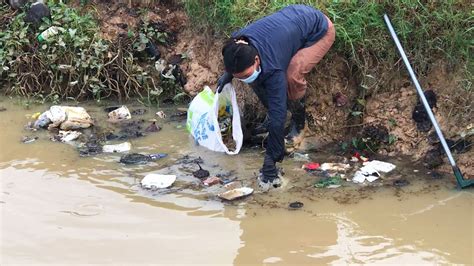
235 193
122 147
370 171
120 114
152 181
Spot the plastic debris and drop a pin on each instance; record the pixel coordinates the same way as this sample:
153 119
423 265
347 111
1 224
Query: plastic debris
122 147
370 171
35 115
329 182
66 136
27 139
295 205
161 114
235 193
120 114
152 181
311 166
137 158
337 167
42 120
210 181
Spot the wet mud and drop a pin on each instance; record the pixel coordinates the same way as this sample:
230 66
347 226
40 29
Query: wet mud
96 205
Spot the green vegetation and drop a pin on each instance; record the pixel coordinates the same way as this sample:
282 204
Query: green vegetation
431 31
78 63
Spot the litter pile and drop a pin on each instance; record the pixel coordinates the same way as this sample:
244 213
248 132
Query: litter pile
225 124
73 125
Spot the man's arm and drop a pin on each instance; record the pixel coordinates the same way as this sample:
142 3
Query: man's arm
276 92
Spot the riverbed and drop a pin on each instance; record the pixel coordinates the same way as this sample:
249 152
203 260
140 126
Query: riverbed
58 207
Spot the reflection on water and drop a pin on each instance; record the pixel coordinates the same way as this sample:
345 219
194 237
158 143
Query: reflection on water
52 201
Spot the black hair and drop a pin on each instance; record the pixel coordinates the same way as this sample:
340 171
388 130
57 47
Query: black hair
238 56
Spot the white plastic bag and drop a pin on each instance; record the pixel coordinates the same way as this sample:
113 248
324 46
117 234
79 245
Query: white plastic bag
203 124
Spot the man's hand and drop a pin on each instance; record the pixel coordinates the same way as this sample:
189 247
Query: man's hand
223 80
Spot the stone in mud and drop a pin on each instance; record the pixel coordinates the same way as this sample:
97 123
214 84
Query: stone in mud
401 183
433 158
179 116
295 205
153 128
340 99
420 116
201 173
91 148
139 111
2 109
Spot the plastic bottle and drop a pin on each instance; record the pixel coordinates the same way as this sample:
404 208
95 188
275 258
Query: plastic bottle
48 33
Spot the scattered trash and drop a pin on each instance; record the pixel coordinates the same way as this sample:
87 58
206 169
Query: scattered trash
329 182
2 109
153 128
401 183
370 171
201 173
66 136
49 32
210 181
340 99
161 114
311 166
336 167
300 157
295 205
120 114
137 158
139 111
152 181
122 147
235 193
27 139
64 117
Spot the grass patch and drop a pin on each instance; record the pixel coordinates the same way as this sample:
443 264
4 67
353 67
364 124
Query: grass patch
429 31
78 63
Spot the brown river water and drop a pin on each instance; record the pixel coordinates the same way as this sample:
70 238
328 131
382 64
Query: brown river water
60 208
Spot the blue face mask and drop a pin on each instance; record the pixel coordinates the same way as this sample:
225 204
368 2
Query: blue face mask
252 77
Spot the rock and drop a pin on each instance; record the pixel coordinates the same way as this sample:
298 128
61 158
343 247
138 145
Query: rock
27 139
340 99
401 183
2 109
135 158
295 205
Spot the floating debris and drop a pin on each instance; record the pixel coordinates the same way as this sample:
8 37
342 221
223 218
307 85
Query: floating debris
153 128
122 147
311 166
120 114
329 182
161 114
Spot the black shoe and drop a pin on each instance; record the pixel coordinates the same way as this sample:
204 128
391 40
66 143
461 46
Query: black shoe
298 118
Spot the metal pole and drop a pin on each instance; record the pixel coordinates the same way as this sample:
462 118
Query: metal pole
420 91
462 183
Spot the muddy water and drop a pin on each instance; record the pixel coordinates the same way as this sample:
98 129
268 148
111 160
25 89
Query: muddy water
57 207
